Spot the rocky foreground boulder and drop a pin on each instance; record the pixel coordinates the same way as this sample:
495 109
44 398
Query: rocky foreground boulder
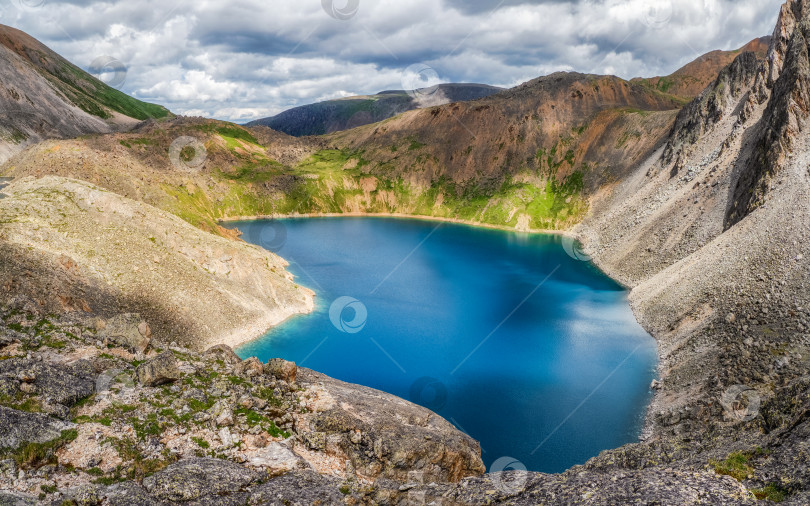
127 330
20 427
158 370
379 435
174 426
199 479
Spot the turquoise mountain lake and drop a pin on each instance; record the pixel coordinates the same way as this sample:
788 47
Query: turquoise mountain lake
530 351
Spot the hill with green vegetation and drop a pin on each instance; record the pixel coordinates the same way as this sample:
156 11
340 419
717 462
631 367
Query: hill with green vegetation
44 96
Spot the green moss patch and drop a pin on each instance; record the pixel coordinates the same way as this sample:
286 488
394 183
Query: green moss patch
735 465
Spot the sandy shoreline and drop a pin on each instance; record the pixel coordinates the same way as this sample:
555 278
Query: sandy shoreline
231 219
256 330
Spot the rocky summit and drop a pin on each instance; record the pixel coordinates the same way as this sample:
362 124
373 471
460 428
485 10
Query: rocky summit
122 296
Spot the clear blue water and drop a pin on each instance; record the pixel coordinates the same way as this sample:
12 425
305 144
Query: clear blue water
533 353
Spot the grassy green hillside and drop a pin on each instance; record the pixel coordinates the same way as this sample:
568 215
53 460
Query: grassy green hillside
82 89
96 98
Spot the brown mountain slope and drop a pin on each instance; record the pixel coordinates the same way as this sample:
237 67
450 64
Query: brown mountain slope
691 79
549 140
534 153
44 96
500 135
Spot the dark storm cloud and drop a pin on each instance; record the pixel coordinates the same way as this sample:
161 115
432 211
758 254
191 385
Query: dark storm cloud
244 59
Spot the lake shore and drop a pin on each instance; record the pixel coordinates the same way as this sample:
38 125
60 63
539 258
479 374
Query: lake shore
232 219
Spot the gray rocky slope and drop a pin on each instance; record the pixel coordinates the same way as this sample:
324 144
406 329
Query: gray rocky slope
72 246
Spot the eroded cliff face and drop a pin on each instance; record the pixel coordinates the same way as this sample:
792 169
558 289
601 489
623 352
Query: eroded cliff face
711 106
712 234
784 86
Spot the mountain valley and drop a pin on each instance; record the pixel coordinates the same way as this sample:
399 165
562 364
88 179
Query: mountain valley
121 286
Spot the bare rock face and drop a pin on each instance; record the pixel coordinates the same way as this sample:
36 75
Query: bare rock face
20 427
127 494
128 330
159 370
224 352
576 487
282 369
785 118
276 458
250 367
55 383
299 488
200 480
383 435
12 499
709 107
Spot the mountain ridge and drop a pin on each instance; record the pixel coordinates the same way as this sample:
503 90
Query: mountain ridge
691 79
350 112
44 96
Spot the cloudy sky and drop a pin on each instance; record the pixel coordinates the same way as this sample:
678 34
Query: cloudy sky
245 59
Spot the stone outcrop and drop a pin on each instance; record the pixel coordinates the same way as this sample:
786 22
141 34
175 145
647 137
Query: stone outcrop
301 488
128 330
18 428
282 369
159 370
200 480
224 352
382 435
54 383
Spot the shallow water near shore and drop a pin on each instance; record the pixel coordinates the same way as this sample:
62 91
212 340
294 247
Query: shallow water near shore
532 352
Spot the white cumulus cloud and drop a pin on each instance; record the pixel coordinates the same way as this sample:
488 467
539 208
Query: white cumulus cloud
242 59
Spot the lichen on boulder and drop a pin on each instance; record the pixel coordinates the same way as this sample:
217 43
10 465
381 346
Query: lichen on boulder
159 370
128 330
